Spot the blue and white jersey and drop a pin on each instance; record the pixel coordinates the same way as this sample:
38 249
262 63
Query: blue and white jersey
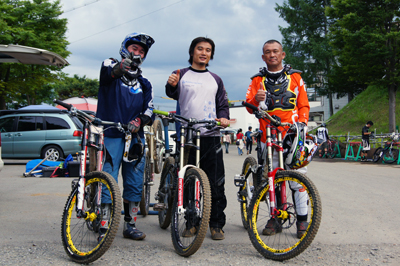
119 102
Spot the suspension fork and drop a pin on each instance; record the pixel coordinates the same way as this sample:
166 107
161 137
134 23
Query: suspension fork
181 172
197 182
272 173
82 172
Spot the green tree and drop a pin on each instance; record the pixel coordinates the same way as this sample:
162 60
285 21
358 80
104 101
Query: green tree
306 42
76 86
30 23
365 37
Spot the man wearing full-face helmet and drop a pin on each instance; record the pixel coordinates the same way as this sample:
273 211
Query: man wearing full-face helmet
126 96
280 90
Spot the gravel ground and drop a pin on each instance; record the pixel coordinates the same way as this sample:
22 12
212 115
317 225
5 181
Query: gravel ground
209 254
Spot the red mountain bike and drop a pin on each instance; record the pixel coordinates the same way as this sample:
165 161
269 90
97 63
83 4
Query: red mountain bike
280 197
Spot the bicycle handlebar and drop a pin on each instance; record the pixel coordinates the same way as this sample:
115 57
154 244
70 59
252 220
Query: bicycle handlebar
188 120
94 120
265 114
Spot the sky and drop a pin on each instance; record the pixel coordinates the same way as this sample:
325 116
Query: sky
239 28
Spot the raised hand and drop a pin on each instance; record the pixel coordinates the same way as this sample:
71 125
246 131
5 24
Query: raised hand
121 68
173 79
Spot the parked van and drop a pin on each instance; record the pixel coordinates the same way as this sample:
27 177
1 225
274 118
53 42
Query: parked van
37 133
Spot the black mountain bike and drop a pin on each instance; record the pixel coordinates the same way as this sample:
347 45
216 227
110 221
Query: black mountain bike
388 154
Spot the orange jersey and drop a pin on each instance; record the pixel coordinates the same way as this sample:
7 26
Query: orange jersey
289 100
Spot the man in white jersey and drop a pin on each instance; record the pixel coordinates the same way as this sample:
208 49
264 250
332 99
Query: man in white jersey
201 94
322 136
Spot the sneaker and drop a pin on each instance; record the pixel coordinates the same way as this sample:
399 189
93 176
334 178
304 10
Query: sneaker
217 233
301 228
132 232
272 227
189 232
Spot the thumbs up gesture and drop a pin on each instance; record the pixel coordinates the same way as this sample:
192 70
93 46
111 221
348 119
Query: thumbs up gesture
173 79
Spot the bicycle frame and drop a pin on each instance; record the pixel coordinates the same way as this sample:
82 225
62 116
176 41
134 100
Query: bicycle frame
184 168
274 142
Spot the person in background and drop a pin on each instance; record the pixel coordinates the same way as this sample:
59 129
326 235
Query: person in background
126 96
227 141
239 141
365 140
248 141
322 136
201 94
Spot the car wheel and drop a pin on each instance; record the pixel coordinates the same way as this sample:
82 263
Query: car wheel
57 154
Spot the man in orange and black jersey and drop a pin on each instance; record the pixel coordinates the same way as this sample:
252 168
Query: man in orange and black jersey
287 99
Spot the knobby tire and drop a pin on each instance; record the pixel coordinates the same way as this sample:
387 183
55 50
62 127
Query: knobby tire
186 246
284 245
158 146
145 202
377 154
243 192
166 192
80 236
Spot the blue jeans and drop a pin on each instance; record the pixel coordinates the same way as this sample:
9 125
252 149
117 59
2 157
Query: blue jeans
240 151
226 147
132 176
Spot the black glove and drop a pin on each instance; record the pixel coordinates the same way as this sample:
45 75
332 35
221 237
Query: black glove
145 120
134 125
121 68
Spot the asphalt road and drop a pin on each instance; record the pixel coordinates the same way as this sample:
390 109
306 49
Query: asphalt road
359 200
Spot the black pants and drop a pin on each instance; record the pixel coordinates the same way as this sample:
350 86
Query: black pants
211 162
249 145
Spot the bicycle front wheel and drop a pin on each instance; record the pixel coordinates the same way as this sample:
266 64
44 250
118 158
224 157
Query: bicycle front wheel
80 236
189 227
246 192
165 192
390 156
302 198
145 202
377 154
158 146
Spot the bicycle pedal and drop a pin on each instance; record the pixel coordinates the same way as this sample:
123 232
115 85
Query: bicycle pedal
239 180
159 206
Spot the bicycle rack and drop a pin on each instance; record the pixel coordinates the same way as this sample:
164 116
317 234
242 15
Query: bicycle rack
337 155
350 151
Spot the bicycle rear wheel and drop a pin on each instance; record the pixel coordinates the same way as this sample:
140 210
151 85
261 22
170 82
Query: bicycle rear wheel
377 154
189 228
390 156
145 202
165 192
246 192
80 236
158 146
284 244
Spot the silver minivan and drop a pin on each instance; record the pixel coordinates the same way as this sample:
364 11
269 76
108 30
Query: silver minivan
37 133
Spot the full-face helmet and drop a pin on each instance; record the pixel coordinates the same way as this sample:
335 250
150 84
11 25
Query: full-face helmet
299 147
146 41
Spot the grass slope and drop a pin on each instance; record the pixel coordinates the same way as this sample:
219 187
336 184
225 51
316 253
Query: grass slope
372 104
